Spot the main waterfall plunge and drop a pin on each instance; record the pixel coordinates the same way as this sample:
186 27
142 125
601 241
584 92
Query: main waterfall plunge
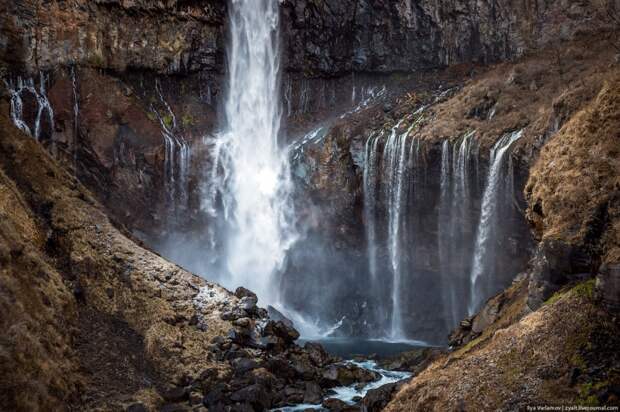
250 170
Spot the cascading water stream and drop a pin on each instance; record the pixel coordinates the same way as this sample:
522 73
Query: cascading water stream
256 186
393 164
455 204
76 116
489 218
43 105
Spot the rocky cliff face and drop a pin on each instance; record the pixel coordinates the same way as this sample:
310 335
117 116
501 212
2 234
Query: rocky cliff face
331 37
166 37
117 52
530 96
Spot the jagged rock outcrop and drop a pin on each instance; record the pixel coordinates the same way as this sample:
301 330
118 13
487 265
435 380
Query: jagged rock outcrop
166 37
578 225
334 37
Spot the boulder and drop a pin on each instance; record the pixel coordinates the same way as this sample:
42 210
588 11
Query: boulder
243 365
347 374
336 405
377 399
313 393
137 407
281 330
555 263
233 314
275 314
242 292
317 353
256 395
177 394
293 395
248 303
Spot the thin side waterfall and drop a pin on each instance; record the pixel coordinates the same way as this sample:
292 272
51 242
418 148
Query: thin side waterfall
76 115
453 223
484 250
398 159
445 240
371 166
386 176
177 157
44 107
253 170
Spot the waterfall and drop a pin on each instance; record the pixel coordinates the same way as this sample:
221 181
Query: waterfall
76 114
177 157
371 166
43 104
396 153
254 183
453 223
487 225
394 165
445 239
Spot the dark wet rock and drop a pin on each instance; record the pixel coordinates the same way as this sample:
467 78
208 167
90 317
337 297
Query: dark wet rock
265 378
313 393
275 314
218 340
281 330
137 407
242 292
317 353
177 394
411 361
248 303
347 374
216 395
293 394
244 365
280 367
555 263
242 407
377 399
336 405
303 366
243 323
237 354
271 342
174 407
256 395
234 314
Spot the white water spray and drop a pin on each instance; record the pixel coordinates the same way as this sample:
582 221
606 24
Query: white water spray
256 186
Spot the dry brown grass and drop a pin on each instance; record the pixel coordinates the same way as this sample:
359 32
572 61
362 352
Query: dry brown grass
80 301
526 363
574 187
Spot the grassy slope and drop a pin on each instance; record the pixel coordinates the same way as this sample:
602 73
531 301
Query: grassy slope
86 312
561 354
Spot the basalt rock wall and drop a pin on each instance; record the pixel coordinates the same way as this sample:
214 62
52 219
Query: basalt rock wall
132 61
